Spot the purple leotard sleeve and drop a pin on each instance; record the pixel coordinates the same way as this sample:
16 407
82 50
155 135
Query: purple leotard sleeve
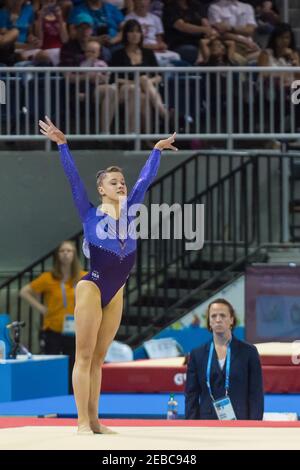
78 190
146 177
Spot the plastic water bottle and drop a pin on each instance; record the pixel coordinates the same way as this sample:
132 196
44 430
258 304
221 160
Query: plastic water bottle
2 350
172 407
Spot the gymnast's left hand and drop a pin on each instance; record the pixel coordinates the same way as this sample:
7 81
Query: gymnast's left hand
166 143
53 133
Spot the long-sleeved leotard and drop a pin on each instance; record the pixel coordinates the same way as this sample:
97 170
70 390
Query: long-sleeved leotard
112 254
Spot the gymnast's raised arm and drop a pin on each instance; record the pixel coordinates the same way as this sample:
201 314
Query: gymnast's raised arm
78 189
149 171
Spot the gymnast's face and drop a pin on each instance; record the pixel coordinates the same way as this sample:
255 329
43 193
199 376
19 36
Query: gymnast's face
112 187
220 318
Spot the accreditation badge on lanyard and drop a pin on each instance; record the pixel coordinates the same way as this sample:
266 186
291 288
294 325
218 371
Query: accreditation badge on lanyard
69 322
223 406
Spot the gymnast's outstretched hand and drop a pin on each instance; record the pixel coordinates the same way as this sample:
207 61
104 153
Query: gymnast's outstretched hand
53 133
166 143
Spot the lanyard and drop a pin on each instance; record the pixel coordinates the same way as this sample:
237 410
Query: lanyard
208 369
64 294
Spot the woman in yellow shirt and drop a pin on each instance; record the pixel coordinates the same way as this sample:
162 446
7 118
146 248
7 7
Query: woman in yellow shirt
57 308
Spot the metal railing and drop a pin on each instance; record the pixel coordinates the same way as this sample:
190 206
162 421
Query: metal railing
284 7
246 198
220 103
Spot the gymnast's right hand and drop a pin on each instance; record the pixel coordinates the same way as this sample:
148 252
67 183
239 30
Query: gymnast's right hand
49 130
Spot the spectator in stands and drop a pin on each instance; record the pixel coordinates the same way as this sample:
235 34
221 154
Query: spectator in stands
51 30
105 93
73 51
106 19
153 32
57 308
185 25
92 54
20 14
8 37
7 46
215 52
267 17
224 367
235 21
280 52
133 54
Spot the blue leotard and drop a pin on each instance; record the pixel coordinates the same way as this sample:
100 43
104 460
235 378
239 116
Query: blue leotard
112 255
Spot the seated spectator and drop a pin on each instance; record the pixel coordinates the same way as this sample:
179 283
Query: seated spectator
8 38
215 52
105 93
152 32
133 54
185 26
235 21
20 14
57 307
106 20
92 53
281 52
73 51
267 17
51 31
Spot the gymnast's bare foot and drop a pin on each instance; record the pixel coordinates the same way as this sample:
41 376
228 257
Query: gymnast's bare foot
84 430
98 428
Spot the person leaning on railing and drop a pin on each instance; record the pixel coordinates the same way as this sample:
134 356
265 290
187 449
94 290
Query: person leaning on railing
58 289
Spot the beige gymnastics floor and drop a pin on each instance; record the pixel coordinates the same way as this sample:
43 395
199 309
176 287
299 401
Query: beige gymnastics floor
151 438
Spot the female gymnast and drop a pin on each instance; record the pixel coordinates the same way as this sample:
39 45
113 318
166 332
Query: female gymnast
99 295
